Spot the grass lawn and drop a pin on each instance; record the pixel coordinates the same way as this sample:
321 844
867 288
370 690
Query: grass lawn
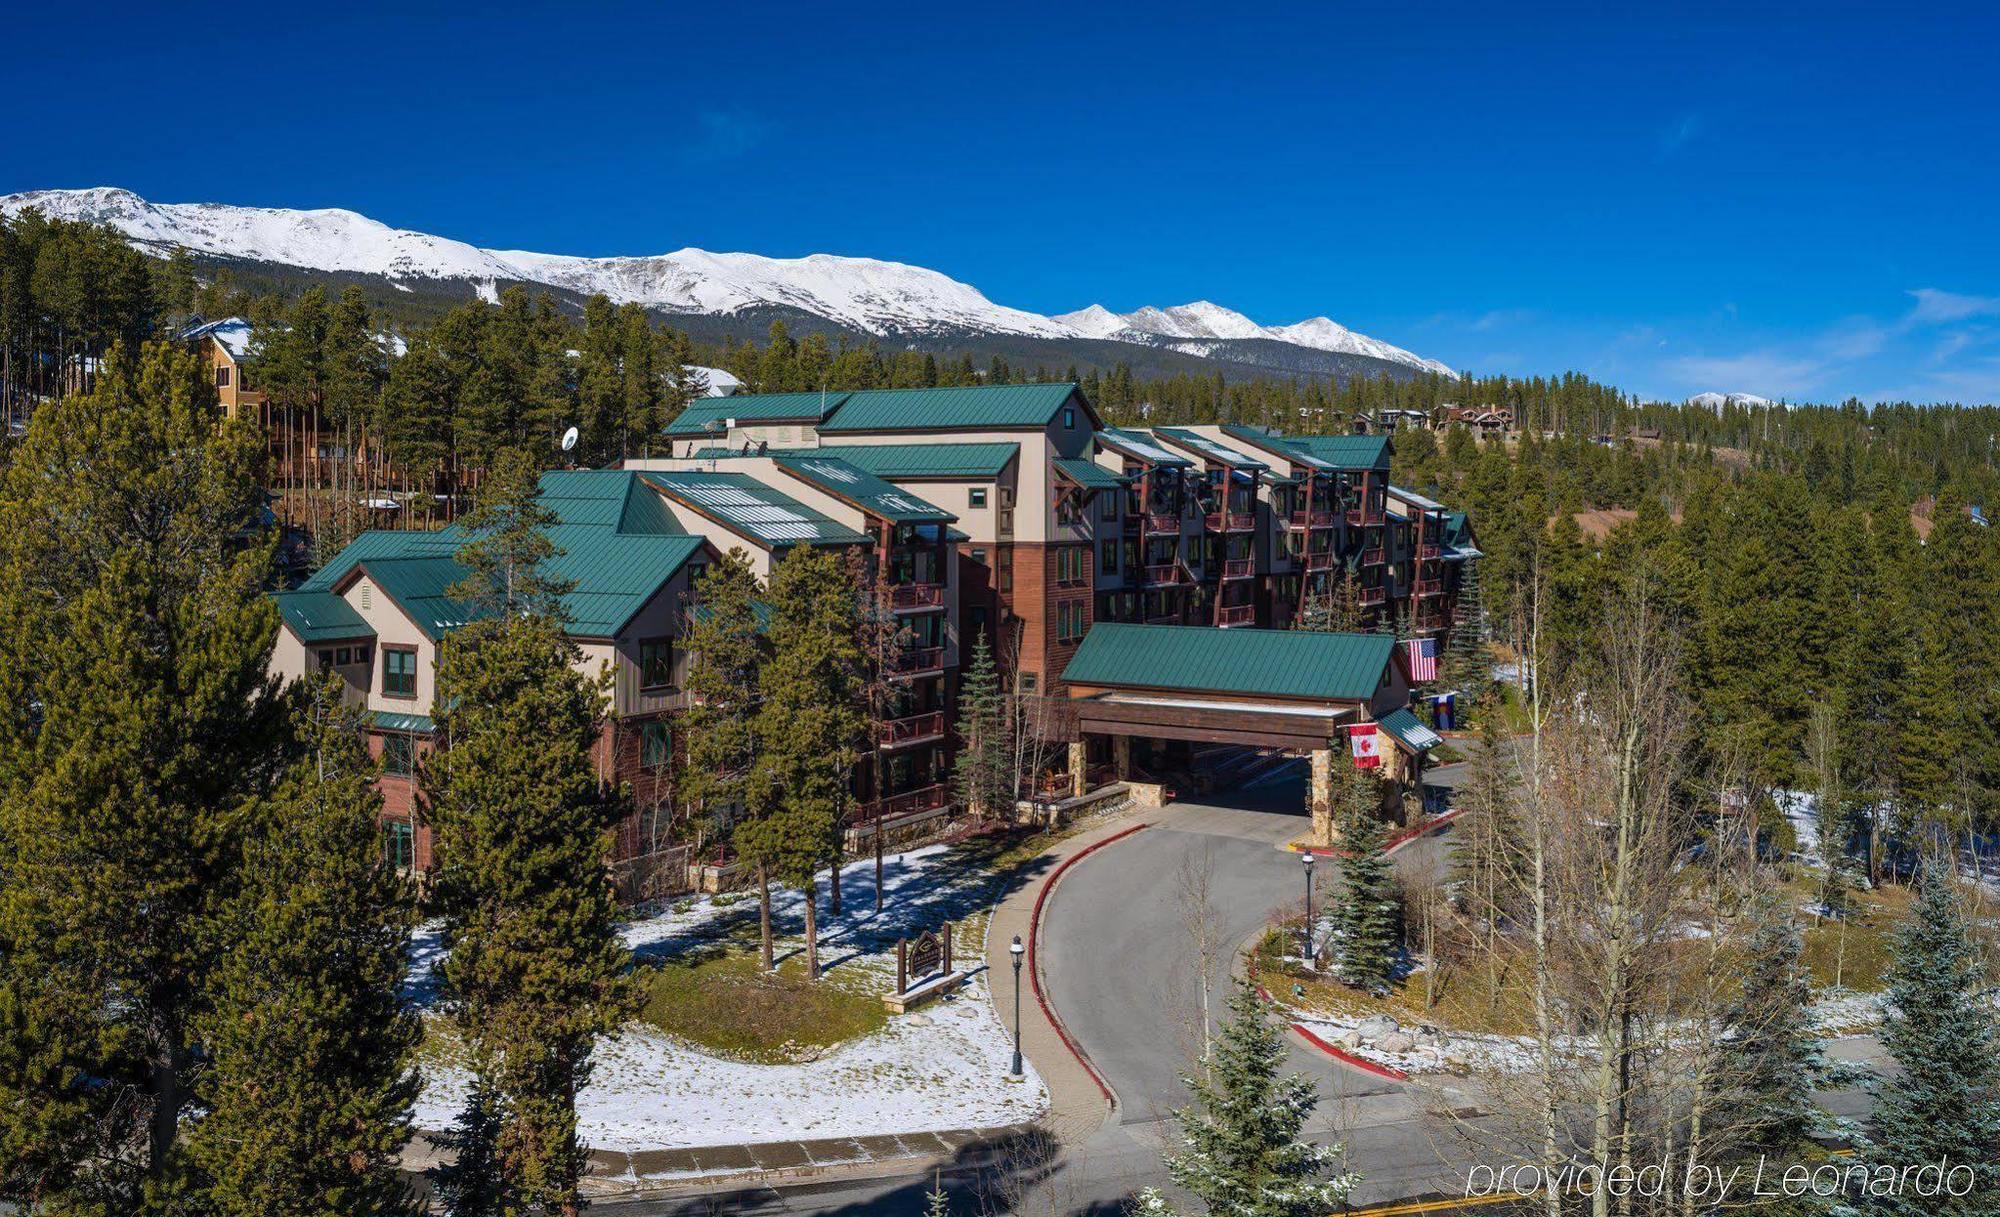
1854 953
725 1005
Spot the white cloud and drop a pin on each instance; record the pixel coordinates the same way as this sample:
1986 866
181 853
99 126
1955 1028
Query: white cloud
1936 307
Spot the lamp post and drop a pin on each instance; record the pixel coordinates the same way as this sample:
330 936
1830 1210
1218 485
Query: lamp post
1017 951
1307 859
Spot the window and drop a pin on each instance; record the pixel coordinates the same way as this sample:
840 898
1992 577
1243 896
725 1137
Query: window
1069 418
656 663
978 555
399 755
976 497
325 660
656 746
1108 506
222 376
1028 682
398 844
399 672
1006 570
1109 560
343 657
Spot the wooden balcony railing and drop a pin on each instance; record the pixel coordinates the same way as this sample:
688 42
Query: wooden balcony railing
1362 517
909 803
1239 568
1321 560
1167 574
916 661
1165 619
1236 614
1373 595
1325 519
1231 521
915 597
1429 553
1162 522
1374 557
916 729
1428 587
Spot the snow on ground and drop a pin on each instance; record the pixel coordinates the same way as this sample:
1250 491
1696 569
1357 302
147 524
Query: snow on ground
941 1067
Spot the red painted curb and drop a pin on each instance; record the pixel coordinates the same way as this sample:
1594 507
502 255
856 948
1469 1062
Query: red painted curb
1035 971
1431 825
1348 1058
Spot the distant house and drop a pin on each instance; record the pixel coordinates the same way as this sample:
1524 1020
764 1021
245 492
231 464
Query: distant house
719 382
1486 420
227 344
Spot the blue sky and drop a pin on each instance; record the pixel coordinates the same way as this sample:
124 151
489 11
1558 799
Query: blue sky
1797 201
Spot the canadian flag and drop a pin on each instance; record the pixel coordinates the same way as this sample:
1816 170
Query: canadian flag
1367 745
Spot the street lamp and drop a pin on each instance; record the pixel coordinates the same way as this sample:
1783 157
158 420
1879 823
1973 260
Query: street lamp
1017 951
1307 859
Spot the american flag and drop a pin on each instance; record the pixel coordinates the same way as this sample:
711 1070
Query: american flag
1423 656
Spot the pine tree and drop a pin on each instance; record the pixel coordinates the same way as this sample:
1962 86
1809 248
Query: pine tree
983 770
1242 1153
508 541
1773 1060
138 729
1943 1035
725 653
807 727
1365 913
311 1072
1485 875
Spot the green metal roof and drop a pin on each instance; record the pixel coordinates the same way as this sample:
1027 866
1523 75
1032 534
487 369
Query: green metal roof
1276 663
1090 475
1208 449
1410 732
619 546
1141 446
1414 499
1345 451
705 415
852 484
321 616
749 508
977 407
900 461
1276 444
393 720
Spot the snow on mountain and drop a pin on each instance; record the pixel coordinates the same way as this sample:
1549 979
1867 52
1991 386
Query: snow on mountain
865 294
1715 401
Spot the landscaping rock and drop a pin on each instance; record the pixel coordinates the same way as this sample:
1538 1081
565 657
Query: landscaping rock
1376 1026
1350 1039
1396 1041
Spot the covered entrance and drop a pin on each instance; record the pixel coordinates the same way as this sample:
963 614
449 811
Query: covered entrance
1151 689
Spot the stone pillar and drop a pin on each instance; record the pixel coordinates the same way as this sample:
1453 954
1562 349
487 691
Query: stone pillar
1121 756
1079 760
1321 798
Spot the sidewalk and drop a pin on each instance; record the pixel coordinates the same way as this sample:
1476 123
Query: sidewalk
1078 1105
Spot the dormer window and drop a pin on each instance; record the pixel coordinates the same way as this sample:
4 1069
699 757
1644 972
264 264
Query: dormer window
1069 418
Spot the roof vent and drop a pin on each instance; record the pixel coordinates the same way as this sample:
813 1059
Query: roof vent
367 600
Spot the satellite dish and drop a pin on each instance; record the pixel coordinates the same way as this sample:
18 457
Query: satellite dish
569 439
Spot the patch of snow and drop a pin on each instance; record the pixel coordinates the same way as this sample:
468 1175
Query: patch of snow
717 382
1715 401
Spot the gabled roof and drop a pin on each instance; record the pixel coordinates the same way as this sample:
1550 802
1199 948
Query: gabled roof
619 546
1140 447
860 488
1090 475
902 461
705 416
749 508
1276 663
1409 731
972 408
321 617
1207 449
1275 444
1345 451
1414 499
232 334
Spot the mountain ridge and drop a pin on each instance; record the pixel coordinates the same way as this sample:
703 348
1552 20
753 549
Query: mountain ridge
867 295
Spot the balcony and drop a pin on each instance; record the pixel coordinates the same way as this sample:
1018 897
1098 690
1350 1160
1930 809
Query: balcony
916 729
1429 553
1373 595
1363 517
1431 619
1166 576
916 597
1426 588
1236 614
1166 619
917 661
1321 560
1158 522
909 803
1374 557
1313 519
1239 568
1231 521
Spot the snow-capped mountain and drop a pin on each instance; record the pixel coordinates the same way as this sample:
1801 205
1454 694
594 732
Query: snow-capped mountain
1191 326
1715 401
862 294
